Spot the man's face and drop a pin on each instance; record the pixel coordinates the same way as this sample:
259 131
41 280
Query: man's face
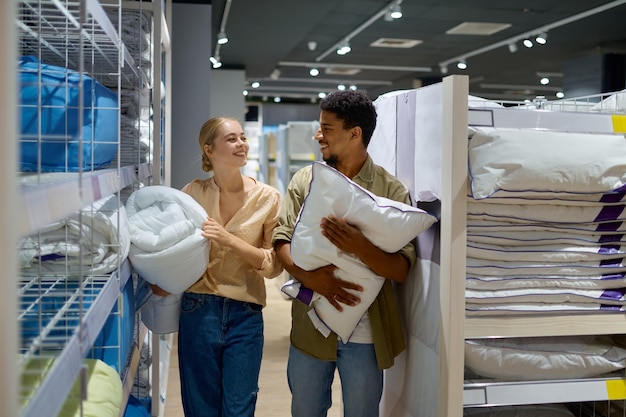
332 138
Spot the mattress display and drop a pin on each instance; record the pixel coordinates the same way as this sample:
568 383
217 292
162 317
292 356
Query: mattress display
167 247
55 134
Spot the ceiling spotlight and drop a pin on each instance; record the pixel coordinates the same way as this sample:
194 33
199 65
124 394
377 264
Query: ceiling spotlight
560 94
388 17
353 87
321 95
344 48
542 38
245 92
528 43
341 87
255 84
396 11
276 99
512 47
545 81
314 72
222 38
215 62
461 65
311 45
444 69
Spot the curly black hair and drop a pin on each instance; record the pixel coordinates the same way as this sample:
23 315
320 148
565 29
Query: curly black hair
354 108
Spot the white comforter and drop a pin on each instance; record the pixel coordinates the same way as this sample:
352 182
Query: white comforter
167 248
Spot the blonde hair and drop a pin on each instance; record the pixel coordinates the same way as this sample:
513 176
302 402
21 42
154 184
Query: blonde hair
208 132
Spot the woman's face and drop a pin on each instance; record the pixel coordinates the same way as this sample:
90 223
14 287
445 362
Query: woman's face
230 146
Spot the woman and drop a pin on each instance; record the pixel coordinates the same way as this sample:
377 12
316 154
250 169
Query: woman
220 337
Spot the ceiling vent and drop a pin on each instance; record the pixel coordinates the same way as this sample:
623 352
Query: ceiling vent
341 71
477 28
395 43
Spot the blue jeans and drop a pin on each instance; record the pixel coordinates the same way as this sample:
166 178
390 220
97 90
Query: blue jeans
220 345
310 381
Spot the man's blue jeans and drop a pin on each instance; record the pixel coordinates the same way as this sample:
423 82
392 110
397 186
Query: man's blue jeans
310 381
220 345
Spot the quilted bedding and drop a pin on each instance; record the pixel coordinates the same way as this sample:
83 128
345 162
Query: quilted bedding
167 248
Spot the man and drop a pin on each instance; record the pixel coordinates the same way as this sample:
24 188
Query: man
347 122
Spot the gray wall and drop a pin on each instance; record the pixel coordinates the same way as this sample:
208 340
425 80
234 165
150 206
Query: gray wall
191 77
198 91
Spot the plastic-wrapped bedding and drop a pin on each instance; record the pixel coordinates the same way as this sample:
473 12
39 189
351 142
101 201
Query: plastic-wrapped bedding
94 239
49 114
167 248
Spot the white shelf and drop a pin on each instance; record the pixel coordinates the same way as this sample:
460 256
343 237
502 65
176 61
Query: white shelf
60 341
543 392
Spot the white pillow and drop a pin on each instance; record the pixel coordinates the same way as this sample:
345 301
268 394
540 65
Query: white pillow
533 160
388 224
534 358
167 247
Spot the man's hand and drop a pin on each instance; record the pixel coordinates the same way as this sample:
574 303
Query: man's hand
346 237
323 281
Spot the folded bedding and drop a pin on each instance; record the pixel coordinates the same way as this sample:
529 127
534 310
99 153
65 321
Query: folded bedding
488 267
534 213
597 282
508 309
546 253
481 225
167 247
542 237
613 296
95 241
565 199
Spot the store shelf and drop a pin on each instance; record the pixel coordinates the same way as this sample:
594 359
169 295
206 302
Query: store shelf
49 197
52 31
543 392
547 120
65 334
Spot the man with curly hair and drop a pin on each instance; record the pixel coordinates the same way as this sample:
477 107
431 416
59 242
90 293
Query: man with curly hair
347 122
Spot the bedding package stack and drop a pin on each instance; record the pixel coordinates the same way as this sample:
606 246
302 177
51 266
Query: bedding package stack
546 234
135 140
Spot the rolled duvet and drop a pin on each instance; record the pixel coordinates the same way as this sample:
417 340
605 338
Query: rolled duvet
167 248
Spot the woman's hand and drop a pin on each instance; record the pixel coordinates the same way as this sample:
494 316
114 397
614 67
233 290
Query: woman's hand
215 231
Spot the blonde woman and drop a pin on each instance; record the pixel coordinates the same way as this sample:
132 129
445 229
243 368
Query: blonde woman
220 338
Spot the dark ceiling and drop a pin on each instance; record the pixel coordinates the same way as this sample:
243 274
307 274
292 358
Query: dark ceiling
276 35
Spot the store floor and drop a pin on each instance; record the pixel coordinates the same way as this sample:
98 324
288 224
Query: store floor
274 397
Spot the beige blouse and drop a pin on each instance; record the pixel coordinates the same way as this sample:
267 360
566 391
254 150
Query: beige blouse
227 274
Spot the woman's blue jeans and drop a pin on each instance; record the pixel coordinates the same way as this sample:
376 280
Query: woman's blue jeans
220 345
310 381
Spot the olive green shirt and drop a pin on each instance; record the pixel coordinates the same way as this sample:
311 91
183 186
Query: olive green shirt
384 316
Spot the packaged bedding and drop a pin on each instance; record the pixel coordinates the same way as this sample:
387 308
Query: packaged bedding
52 123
